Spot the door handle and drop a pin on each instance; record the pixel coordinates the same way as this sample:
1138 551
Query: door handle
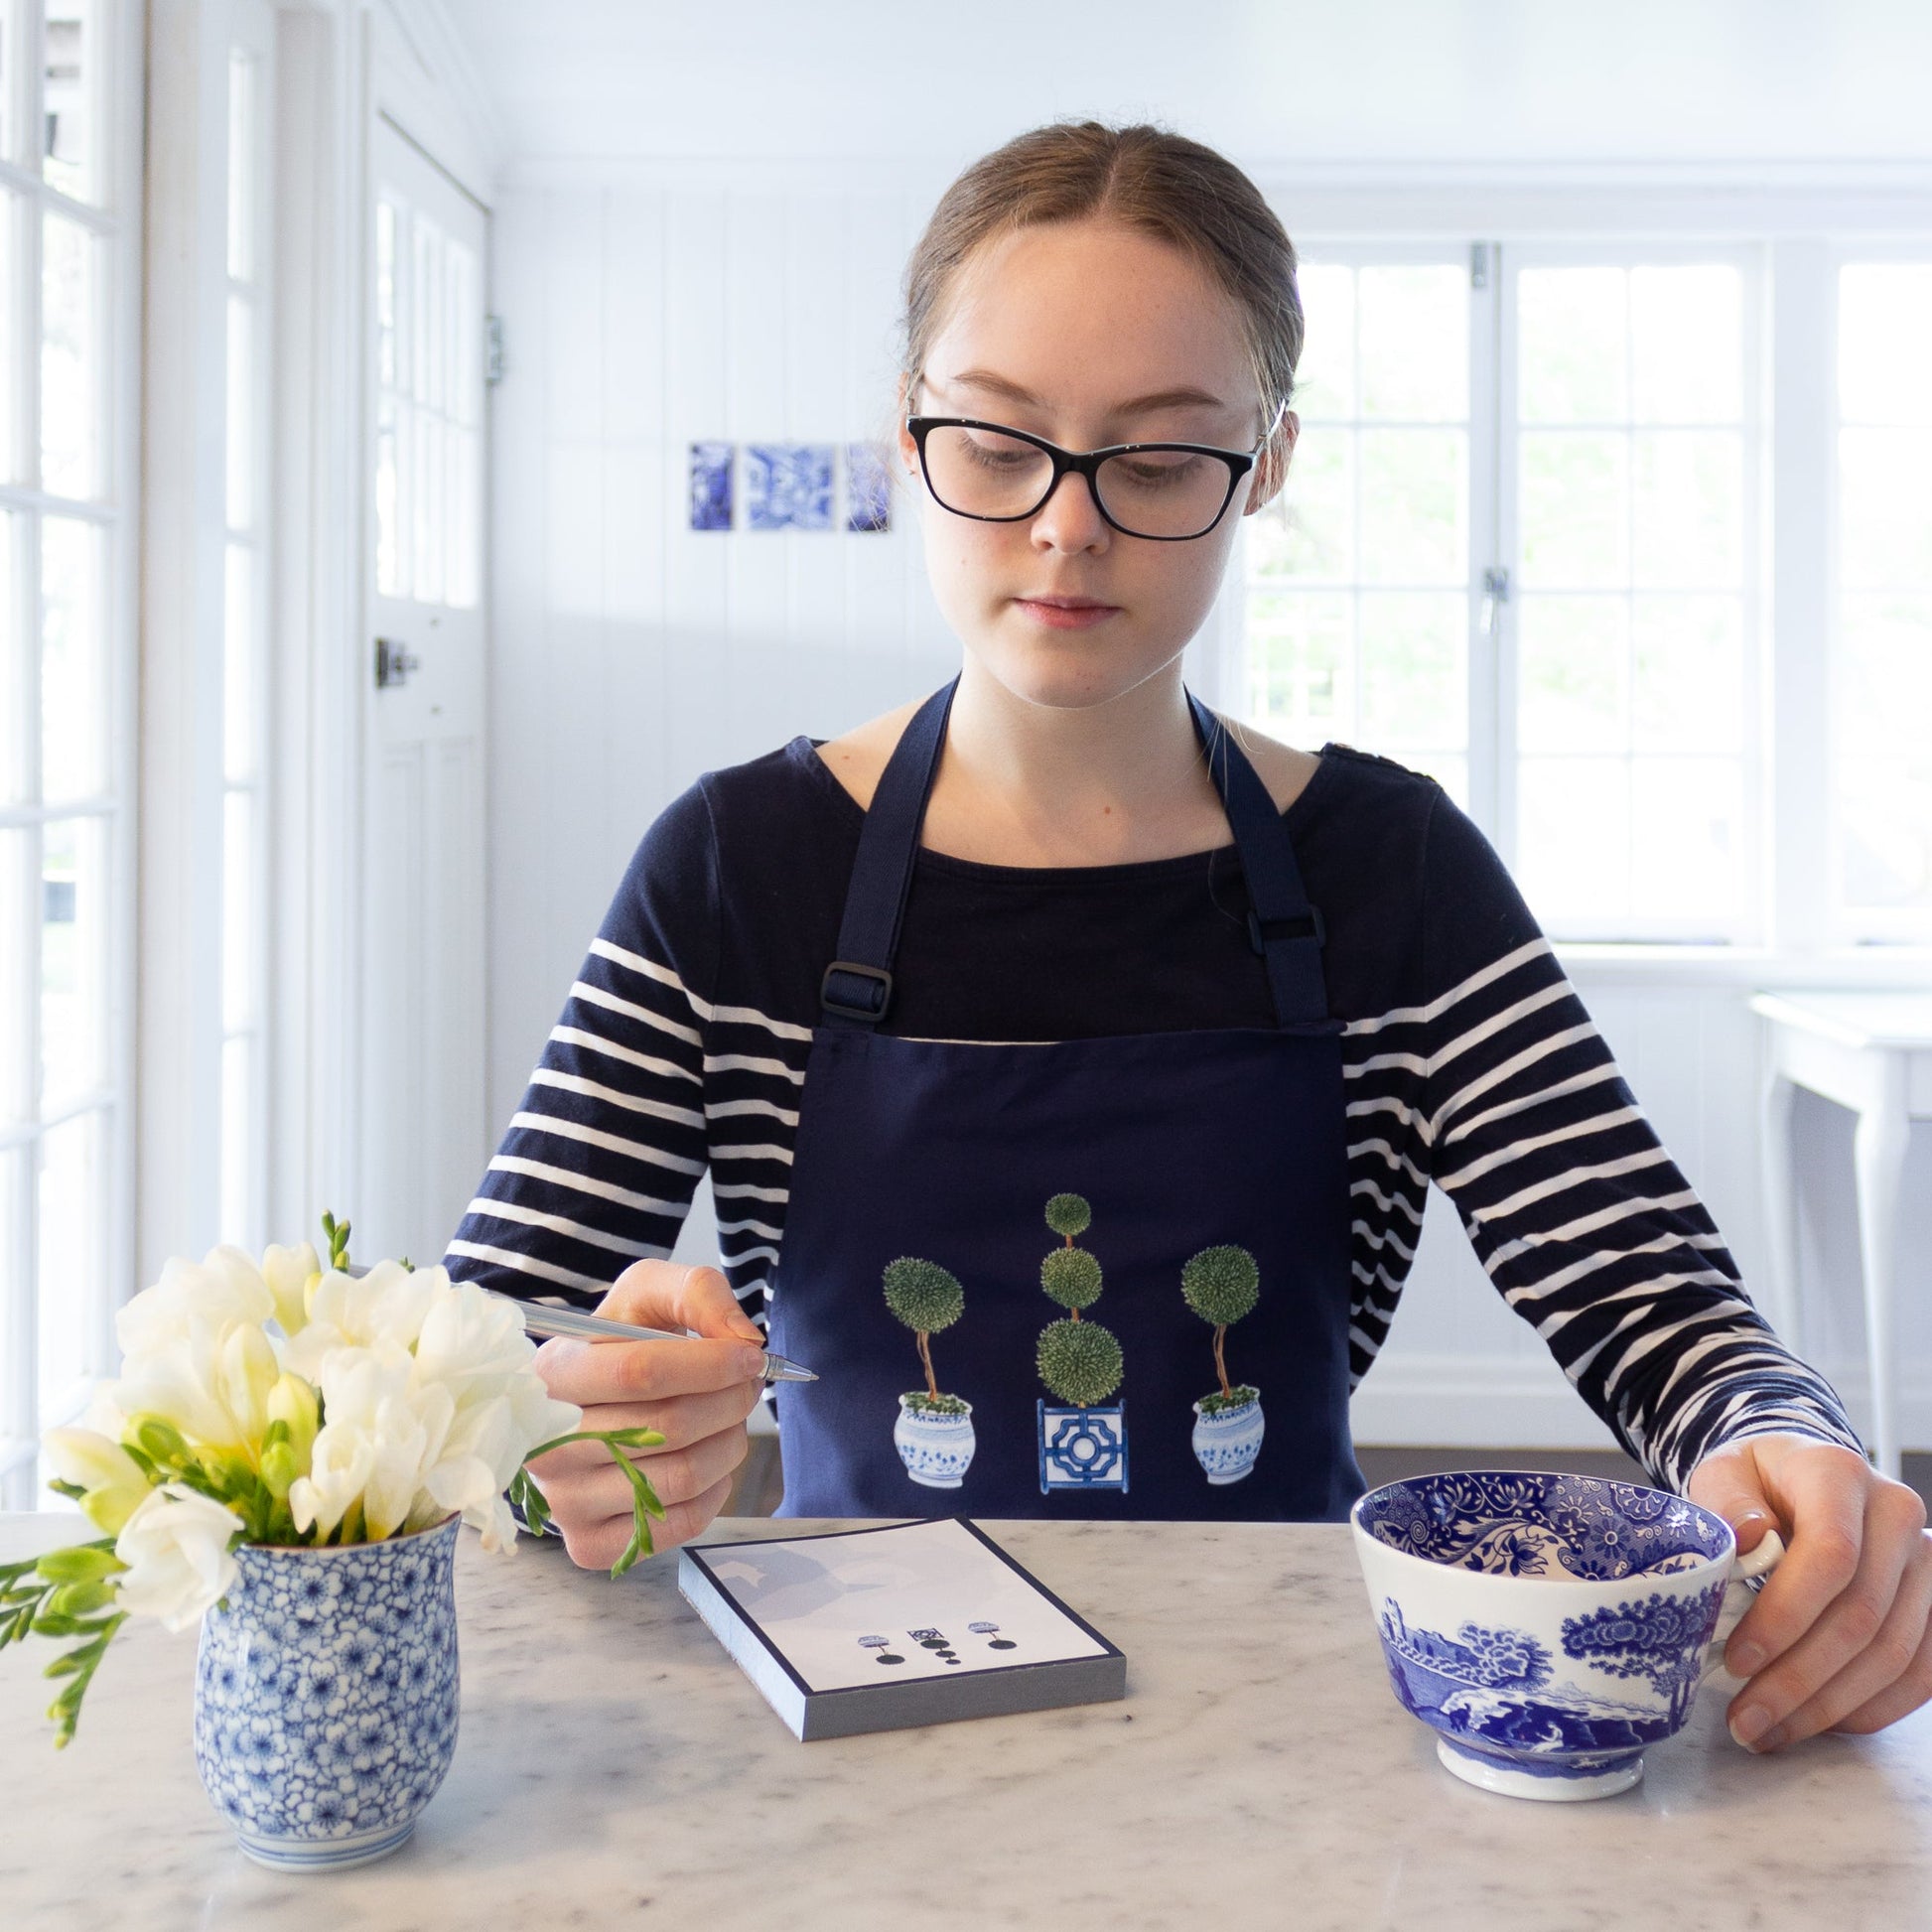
393 663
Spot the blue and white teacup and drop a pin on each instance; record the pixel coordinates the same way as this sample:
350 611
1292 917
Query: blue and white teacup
1548 1627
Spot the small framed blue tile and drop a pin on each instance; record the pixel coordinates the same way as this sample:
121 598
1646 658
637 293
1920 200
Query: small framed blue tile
710 485
788 485
867 498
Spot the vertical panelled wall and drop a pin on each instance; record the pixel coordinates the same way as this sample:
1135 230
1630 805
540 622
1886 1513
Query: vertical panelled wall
629 653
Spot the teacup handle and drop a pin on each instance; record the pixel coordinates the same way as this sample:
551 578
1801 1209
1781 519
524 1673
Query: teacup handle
1739 1597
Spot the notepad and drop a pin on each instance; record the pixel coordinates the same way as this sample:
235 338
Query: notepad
912 1623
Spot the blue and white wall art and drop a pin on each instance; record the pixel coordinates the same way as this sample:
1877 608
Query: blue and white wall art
710 485
788 485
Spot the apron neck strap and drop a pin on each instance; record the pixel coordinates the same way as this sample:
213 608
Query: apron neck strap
1283 927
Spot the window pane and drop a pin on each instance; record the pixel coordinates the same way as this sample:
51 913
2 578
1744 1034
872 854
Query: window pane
1882 669
12 23
1572 660
1301 658
1685 835
1414 694
16 461
1629 630
466 516
239 1134
1686 343
427 479
72 1191
1885 317
1310 529
1414 494
1326 376
1412 336
1882 753
389 580
1688 684
72 691
70 358
74 957
72 116
466 336
1572 358
241 413
242 166
1573 509
1573 838
1687 508
238 916
1884 508
20 891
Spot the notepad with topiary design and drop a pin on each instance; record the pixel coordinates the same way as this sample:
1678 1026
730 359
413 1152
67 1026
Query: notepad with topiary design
876 1629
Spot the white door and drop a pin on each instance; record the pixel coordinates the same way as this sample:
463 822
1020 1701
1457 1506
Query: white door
423 1139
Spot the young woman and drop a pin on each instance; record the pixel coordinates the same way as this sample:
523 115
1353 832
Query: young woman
1017 1075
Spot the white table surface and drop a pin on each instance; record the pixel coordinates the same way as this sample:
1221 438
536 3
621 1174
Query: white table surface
614 1767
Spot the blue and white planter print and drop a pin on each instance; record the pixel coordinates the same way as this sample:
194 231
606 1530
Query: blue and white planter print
1227 1441
936 1449
326 1696
1083 1449
1547 1627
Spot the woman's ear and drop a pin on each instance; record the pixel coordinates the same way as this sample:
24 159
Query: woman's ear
1271 465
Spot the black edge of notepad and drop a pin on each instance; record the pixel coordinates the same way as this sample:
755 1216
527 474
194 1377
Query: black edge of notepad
991 1691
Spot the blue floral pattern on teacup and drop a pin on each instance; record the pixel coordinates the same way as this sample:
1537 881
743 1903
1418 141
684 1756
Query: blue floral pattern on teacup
1528 1524
326 1696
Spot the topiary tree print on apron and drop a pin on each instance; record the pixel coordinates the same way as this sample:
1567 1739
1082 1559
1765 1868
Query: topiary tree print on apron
935 1432
1221 1284
1082 1446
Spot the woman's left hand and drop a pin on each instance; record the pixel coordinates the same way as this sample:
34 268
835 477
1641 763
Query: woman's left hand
1837 1639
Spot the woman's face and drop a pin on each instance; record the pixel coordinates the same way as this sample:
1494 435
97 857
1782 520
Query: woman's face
1066 330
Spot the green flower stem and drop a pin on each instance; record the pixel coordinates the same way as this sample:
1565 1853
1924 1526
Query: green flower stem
643 1498
56 1594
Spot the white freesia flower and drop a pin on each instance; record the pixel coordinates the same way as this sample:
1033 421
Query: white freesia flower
225 1287
288 1273
176 1548
473 1346
378 1435
97 1464
385 1306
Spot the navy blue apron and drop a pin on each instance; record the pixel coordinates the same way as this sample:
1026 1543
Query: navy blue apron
954 1170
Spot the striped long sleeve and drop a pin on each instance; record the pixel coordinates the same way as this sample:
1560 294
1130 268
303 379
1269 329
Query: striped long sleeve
1501 1091
599 1162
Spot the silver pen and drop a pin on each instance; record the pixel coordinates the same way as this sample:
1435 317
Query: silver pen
541 1319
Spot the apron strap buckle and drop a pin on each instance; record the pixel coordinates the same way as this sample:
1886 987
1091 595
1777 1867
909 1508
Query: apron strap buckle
875 1002
1300 926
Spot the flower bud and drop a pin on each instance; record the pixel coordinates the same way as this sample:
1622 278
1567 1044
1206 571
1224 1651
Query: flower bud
292 1403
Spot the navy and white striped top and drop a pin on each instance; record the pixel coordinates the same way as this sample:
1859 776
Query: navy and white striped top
1470 1061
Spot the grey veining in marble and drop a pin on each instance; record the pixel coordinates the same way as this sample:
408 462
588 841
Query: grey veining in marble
614 1767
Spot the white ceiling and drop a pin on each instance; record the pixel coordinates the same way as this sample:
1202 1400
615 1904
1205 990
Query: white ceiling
1344 81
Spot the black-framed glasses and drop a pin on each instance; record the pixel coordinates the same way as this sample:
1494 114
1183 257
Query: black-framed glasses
1169 492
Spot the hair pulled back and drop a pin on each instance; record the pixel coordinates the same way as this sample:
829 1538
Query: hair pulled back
1144 177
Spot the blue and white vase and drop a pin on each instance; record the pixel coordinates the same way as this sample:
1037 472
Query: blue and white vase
1081 1448
326 1696
1227 1441
936 1449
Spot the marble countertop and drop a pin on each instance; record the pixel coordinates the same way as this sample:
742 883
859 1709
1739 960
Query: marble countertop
616 1767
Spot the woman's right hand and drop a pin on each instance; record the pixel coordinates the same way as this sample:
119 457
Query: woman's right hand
696 1392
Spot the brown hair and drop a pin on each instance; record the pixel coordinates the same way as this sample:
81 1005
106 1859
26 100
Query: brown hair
1144 177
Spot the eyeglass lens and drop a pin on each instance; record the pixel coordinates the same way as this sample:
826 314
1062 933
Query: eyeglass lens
1152 493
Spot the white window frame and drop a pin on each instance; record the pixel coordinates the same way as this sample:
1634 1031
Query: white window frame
1802 217
115 219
